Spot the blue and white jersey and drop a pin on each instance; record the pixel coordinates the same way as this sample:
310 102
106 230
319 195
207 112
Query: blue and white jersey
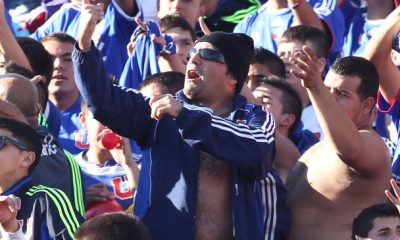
111 174
266 27
349 8
72 135
394 113
359 30
276 215
110 37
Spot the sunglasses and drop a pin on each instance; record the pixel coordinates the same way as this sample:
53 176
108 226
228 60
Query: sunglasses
207 54
19 145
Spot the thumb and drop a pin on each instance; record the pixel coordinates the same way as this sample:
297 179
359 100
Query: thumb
203 26
155 98
100 5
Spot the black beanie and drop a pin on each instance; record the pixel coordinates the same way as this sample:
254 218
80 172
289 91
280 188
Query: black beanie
237 48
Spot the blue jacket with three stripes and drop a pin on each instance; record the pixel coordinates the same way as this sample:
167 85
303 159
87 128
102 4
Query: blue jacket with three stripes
46 213
167 191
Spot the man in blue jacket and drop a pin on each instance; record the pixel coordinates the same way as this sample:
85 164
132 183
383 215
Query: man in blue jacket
203 149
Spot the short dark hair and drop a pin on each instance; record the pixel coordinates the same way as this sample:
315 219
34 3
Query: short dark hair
59 37
363 223
304 33
361 68
290 99
172 21
171 81
117 226
26 135
12 67
38 57
268 58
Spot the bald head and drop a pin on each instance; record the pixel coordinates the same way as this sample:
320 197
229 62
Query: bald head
9 110
20 91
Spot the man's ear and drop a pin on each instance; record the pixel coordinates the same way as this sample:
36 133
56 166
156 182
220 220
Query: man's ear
28 159
231 79
287 120
367 104
321 64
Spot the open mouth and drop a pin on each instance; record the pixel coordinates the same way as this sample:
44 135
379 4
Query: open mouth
192 74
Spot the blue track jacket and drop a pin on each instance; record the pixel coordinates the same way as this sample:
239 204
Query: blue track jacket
167 191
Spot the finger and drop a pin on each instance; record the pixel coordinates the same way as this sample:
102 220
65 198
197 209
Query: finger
203 26
392 198
97 186
310 53
87 1
155 98
12 204
37 79
100 5
141 24
158 40
395 188
298 73
130 47
18 205
298 62
162 111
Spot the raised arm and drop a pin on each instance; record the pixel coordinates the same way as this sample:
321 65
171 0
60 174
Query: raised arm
378 51
124 157
361 150
9 45
305 14
124 111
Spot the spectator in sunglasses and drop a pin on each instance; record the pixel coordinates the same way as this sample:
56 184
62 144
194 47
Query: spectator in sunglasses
21 201
203 150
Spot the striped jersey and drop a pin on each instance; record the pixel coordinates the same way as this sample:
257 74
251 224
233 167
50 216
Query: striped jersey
46 213
57 168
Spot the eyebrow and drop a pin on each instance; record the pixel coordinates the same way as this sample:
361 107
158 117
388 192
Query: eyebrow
383 229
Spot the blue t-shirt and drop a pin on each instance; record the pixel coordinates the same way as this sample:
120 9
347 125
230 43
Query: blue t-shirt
111 35
111 174
359 30
394 114
72 135
266 27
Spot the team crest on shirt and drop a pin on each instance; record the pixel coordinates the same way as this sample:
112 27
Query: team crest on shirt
121 187
81 139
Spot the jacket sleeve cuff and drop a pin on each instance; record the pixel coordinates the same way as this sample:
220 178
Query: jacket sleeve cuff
18 235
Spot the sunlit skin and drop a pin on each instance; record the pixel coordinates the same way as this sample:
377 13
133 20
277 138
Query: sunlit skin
213 80
188 9
286 50
62 88
257 72
13 166
183 42
344 89
384 228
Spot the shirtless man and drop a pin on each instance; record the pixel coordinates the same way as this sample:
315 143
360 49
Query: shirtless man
348 170
202 150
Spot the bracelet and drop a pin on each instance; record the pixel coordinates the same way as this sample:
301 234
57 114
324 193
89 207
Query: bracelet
296 5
